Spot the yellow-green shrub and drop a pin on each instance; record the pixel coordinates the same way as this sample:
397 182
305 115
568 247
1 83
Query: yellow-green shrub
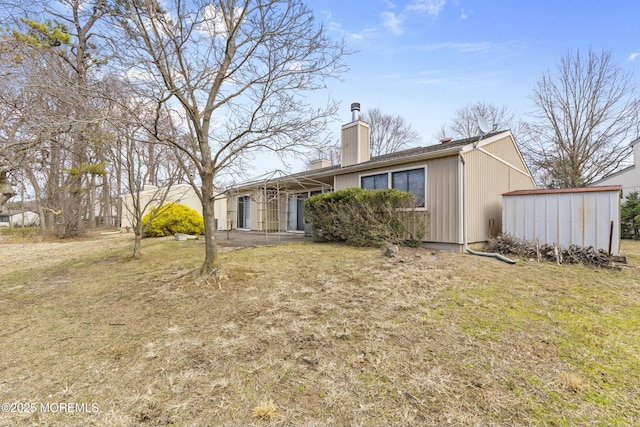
171 219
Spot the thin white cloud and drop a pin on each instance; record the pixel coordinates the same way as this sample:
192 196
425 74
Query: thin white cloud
460 47
392 22
428 82
389 4
634 56
213 22
464 14
365 34
431 7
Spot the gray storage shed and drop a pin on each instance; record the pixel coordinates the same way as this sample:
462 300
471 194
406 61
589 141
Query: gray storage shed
585 217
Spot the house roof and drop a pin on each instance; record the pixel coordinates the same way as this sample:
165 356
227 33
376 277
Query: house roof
313 177
564 190
398 156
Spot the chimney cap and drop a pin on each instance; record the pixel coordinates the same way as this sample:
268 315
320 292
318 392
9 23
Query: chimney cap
355 106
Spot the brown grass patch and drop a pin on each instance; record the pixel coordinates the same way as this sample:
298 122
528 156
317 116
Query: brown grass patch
265 411
334 335
572 382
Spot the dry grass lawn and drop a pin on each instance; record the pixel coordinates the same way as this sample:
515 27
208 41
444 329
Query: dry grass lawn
312 334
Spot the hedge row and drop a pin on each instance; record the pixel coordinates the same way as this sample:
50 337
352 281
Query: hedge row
363 217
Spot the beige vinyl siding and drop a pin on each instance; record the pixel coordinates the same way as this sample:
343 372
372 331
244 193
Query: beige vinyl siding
443 200
505 149
346 181
232 212
355 143
487 179
255 217
442 197
284 208
349 152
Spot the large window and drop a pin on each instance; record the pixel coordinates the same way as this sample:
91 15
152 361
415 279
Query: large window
375 182
412 181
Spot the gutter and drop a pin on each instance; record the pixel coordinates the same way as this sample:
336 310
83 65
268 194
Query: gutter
462 202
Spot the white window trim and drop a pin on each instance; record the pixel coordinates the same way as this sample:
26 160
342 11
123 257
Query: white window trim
389 173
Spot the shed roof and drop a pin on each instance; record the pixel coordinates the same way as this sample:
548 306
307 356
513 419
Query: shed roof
564 190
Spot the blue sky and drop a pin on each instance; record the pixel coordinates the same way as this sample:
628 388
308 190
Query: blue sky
424 59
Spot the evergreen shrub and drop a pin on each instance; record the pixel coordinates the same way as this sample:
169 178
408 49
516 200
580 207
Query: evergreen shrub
630 216
365 217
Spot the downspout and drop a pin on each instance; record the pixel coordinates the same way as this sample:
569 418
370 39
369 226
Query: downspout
463 202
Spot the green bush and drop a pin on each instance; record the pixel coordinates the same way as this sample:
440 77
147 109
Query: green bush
364 217
630 216
171 219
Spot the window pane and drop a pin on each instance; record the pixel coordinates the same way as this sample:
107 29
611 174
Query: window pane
368 182
416 185
400 181
412 181
374 182
382 181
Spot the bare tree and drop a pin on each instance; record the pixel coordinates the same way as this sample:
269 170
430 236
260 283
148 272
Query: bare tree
464 124
235 72
133 155
585 115
63 51
389 133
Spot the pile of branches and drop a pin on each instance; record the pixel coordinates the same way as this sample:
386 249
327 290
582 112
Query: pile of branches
510 245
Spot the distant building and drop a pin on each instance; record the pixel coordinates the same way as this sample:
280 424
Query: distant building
18 218
629 177
182 194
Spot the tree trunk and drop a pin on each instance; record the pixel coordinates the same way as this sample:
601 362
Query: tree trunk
73 214
92 202
137 243
7 190
38 196
210 264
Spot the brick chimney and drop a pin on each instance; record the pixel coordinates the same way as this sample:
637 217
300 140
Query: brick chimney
355 139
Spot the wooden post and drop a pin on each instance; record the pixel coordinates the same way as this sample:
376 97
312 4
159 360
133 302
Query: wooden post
610 237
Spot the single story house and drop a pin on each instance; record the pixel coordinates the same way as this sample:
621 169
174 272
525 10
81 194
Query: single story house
458 185
18 218
629 177
151 196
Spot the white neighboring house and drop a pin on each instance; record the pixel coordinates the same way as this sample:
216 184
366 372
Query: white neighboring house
182 194
629 177
17 218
